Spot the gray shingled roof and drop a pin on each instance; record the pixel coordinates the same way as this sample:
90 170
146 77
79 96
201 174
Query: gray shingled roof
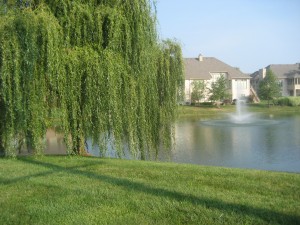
285 70
195 69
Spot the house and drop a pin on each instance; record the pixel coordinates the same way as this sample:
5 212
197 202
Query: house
288 76
208 70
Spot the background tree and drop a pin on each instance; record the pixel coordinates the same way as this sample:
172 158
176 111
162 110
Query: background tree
198 91
268 87
219 89
97 66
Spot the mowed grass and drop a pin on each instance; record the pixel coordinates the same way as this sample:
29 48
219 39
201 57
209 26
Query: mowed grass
211 111
87 190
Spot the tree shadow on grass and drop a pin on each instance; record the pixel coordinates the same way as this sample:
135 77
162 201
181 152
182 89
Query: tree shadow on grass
267 215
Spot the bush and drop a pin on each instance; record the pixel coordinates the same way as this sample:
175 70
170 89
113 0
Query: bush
287 101
206 103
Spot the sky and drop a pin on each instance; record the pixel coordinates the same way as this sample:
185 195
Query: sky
248 34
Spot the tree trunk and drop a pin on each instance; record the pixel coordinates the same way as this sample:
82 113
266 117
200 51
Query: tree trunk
2 151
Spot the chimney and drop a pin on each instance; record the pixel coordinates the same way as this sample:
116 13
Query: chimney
262 73
200 57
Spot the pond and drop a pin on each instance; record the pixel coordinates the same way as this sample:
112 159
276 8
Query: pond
266 143
268 146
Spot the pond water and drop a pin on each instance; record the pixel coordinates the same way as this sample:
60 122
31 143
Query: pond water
272 144
267 143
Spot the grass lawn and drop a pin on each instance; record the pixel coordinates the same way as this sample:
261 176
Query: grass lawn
87 190
212 111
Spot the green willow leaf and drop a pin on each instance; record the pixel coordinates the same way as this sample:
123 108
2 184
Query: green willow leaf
94 70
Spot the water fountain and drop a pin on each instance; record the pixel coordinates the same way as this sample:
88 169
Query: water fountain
241 139
241 117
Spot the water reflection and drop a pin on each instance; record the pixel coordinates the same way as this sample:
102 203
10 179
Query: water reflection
271 147
55 144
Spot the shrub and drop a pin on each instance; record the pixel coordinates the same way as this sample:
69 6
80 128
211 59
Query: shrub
287 101
206 103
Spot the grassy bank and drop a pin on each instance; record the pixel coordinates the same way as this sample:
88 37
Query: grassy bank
83 190
213 111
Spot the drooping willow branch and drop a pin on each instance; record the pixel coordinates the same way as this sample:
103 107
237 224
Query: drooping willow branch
99 64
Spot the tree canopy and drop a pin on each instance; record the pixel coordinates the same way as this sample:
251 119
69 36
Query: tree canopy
219 89
268 87
99 63
198 90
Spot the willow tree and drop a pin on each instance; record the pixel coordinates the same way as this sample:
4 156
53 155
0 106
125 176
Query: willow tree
100 64
29 45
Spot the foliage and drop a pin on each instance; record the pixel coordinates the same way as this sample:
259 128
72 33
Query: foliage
287 101
99 63
87 190
29 65
198 91
268 87
219 89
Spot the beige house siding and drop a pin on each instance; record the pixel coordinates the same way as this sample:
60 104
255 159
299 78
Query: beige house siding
209 69
189 89
240 88
288 76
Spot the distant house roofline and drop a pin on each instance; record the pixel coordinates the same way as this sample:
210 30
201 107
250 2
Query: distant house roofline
201 68
282 71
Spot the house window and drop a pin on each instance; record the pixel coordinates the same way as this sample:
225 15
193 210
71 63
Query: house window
216 76
241 84
290 81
